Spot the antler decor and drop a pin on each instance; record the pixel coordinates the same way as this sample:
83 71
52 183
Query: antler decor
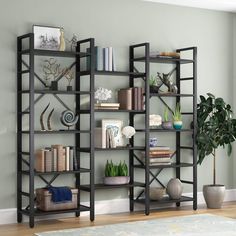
48 120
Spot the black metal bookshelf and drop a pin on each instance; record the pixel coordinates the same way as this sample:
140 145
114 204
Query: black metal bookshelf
131 150
150 170
26 158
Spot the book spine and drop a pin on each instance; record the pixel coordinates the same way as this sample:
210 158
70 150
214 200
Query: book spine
39 162
113 60
71 158
110 52
135 98
125 99
48 160
105 54
67 156
54 155
99 58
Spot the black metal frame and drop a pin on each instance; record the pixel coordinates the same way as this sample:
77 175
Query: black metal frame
22 155
133 158
143 196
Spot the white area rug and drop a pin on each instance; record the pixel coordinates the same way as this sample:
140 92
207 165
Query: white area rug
194 225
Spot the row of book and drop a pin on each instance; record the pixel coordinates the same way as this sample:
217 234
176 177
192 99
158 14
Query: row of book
131 98
56 158
159 155
104 59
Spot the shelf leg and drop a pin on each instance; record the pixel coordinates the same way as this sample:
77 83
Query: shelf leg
77 214
19 217
195 205
92 216
31 221
178 204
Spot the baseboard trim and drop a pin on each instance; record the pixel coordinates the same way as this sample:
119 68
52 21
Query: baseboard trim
8 216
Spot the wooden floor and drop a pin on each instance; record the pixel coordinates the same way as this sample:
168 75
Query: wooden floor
228 210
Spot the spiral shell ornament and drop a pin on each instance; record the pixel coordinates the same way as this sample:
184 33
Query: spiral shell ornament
68 118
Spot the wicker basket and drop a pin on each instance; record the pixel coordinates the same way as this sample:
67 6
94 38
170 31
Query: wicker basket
44 202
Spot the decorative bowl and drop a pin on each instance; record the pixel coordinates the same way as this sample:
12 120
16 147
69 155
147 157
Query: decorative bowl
116 180
157 193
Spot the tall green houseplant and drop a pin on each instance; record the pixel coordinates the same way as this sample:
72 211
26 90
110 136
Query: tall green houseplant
216 128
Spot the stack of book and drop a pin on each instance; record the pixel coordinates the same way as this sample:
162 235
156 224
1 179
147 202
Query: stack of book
56 158
104 59
107 105
131 98
159 155
165 54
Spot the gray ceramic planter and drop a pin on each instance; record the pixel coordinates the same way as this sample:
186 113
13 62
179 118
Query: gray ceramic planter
214 195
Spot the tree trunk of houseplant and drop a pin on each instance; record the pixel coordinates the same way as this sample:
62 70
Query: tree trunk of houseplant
214 194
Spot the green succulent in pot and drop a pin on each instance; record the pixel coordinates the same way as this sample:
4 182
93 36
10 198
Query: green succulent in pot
216 128
116 174
177 117
166 123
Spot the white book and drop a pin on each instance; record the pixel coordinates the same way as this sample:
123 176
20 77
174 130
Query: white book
54 156
71 158
110 52
67 149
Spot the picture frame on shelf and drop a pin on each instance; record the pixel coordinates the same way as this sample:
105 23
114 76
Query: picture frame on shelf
46 37
116 126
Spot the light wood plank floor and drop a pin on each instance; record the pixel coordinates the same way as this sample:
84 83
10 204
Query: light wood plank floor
228 210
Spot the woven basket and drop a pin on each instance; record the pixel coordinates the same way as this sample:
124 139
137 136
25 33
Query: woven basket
44 202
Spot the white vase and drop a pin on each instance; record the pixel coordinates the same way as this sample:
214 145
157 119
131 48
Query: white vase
174 188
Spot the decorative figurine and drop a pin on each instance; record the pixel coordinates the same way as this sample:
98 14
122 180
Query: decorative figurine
102 94
69 75
128 132
48 120
68 118
51 71
62 45
73 42
165 79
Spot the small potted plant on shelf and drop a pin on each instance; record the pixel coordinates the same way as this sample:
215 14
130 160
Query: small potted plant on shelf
166 123
177 117
153 84
116 174
216 128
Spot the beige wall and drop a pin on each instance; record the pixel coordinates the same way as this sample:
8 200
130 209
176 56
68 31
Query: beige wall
117 24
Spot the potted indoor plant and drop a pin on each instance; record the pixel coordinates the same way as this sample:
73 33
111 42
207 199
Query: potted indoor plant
216 128
166 123
116 174
177 117
153 84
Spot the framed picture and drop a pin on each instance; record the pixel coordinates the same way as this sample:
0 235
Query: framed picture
115 126
46 37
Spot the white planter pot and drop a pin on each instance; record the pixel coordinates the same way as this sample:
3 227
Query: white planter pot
214 195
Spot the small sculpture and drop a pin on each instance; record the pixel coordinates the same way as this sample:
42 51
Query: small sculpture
62 45
69 75
102 94
128 132
155 121
73 42
68 118
51 70
165 79
48 120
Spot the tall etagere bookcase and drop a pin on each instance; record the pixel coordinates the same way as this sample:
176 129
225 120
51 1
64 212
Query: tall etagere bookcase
27 156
